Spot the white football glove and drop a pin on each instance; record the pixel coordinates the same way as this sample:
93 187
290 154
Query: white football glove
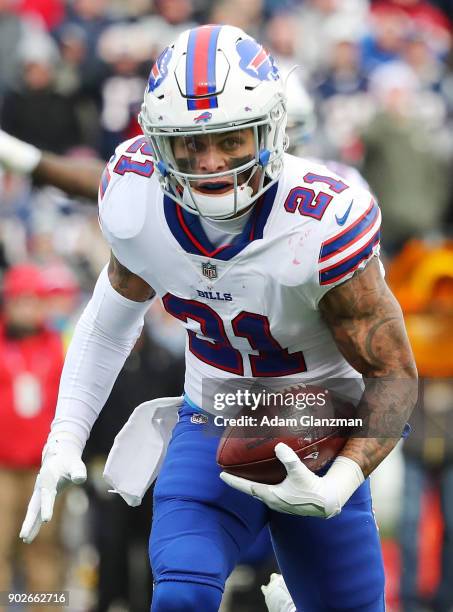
277 596
61 464
302 492
17 155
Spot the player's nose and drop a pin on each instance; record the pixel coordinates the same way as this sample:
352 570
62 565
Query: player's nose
211 161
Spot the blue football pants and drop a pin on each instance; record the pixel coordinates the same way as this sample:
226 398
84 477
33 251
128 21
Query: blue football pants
201 527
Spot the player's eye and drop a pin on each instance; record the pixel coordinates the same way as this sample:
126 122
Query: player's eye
195 145
231 143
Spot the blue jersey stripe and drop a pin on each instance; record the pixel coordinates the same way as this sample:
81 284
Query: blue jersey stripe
350 235
105 180
339 270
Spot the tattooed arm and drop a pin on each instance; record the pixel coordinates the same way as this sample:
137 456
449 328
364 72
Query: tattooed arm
128 284
367 325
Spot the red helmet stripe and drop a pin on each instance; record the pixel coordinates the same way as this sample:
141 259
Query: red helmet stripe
200 66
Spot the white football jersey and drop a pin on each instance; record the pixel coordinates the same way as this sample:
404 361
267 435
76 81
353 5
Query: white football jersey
250 308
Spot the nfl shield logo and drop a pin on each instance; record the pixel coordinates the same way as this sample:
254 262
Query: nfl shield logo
209 270
199 419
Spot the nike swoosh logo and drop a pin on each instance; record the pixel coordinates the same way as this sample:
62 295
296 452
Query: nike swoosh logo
342 220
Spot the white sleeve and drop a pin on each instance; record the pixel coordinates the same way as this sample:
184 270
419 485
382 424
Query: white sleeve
102 340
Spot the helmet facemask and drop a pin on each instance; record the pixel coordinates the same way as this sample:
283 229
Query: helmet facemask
249 156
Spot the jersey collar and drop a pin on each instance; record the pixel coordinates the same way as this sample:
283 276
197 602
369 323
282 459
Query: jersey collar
188 231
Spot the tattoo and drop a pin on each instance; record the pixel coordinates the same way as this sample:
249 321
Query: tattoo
128 284
369 340
367 324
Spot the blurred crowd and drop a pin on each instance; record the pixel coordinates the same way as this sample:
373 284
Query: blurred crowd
373 89
379 74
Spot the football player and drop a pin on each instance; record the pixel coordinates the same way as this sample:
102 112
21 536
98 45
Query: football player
271 264
78 176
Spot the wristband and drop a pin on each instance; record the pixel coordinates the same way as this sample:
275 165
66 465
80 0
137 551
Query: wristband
346 477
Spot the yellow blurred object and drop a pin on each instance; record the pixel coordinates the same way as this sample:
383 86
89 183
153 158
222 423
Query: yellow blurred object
413 274
421 277
431 338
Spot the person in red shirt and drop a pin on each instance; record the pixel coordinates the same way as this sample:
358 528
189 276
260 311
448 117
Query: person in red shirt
31 359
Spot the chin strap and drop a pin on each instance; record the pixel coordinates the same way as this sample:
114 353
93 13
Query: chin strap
222 206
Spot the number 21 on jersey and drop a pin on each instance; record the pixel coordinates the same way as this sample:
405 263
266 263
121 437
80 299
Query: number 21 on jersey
216 349
307 201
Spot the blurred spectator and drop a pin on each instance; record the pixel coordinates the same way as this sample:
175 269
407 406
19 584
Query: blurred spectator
385 40
319 19
72 236
123 88
33 110
32 359
344 105
80 78
247 16
404 160
62 298
13 31
49 12
422 277
280 38
130 9
174 12
169 19
84 24
420 56
73 51
343 74
93 17
421 14
274 7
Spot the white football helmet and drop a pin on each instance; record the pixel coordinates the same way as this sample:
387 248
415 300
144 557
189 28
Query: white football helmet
215 82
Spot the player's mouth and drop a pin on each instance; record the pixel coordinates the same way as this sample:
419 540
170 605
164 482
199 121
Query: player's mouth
214 187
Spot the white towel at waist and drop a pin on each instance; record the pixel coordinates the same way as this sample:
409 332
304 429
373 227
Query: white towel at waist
139 448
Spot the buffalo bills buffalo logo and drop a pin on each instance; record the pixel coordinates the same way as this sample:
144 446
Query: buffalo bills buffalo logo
256 61
160 69
204 117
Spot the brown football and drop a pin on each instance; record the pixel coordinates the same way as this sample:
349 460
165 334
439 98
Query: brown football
246 447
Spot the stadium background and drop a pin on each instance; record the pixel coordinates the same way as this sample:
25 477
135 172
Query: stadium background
380 75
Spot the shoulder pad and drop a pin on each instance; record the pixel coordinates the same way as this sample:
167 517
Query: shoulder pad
134 156
344 222
125 188
350 236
